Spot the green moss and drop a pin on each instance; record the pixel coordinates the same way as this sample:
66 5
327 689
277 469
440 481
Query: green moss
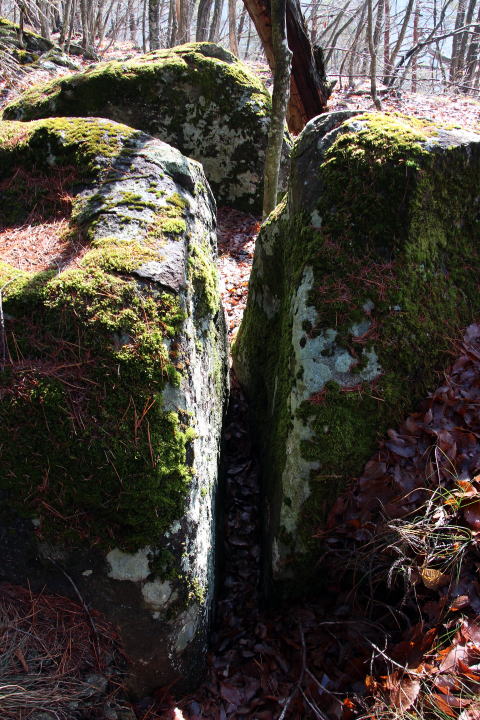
91 450
134 201
203 276
118 255
196 592
88 144
90 443
24 57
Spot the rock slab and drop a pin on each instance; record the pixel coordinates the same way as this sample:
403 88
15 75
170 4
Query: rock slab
362 279
113 380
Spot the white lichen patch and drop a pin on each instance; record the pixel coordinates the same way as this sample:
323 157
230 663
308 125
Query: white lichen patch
317 360
295 477
158 595
320 359
129 566
188 624
316 220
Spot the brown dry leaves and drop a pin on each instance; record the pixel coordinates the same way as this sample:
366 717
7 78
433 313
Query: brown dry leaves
237 233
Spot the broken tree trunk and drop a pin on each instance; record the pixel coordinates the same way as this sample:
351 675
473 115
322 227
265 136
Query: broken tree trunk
309 90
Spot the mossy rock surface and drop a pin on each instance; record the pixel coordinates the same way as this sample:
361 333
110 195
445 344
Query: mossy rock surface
113 382
34 52
362 280
32 43
197 97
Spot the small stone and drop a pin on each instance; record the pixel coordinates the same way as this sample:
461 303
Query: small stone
98 684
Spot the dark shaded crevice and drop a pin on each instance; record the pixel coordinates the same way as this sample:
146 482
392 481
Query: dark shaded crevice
238 531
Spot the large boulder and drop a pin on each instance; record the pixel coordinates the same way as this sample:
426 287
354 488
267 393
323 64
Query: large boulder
362 280
112 384
197 97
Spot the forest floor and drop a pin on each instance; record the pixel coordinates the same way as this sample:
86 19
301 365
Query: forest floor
397 633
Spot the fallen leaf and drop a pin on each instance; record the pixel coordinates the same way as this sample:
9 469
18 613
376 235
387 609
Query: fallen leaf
460 602
442 705
405 693
472 515
434 579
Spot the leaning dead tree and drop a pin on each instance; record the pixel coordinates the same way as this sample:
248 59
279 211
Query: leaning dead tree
281 87
309 89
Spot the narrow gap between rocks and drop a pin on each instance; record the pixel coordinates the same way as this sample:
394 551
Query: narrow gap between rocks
378 633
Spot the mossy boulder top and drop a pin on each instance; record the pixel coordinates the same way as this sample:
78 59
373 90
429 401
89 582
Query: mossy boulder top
362 279
34 52
197 97
113 381
9 38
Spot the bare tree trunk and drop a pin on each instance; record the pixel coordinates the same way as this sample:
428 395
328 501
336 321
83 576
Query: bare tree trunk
332 41
241 24
416 19
473 52
464 38
314 20
353 49
249 38
281 87
203 18
387 65
132 26
215 26
20 27
65 23
144 25
401 35
459 21
378 25
71 26
183 15
232 27
309 90
373 57
43 19
153 24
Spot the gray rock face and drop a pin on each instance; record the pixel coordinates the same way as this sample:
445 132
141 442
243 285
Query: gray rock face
110 473
361 278
197 97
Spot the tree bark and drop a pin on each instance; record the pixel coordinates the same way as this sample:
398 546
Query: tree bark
215 26
203 19
461 65
153 24
387 66
401 35
183 16
281 86
459 21
309 89
373 57
232 27
416 36
473 52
